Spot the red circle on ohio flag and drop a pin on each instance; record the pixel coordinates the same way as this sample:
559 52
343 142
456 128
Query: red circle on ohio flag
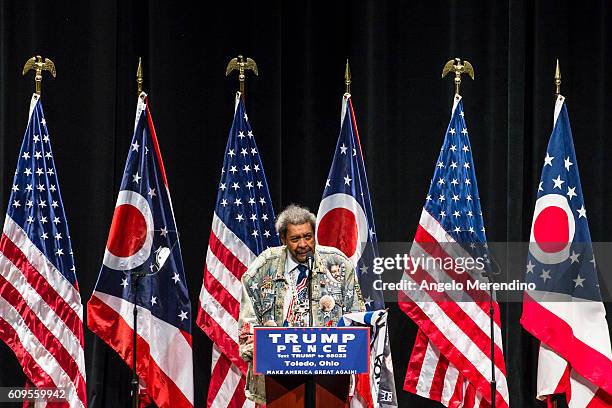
342 223
551 229
131 235
339 219
128 231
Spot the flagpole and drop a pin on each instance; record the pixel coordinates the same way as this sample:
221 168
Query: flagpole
139 77
492 328
347 78
310 397
553 403
557 80
459 68
135 381
135 278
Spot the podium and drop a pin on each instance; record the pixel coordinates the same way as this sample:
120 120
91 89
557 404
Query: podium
309 366
290 391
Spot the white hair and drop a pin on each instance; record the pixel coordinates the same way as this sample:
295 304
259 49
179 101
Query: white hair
295 215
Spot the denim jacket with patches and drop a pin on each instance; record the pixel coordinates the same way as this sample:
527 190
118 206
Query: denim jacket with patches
264 286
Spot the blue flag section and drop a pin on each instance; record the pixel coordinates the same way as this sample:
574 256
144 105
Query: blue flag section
345 219
36 202
143 244
243 200
453 198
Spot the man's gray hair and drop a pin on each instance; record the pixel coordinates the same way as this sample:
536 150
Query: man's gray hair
295 215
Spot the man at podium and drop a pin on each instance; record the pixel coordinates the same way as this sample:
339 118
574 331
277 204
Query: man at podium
275 288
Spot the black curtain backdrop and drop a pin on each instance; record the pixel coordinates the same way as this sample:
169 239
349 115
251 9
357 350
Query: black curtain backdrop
396 50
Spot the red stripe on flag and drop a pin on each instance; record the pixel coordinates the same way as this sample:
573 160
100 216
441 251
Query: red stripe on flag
448 349
564 383
415 364
219 292
601 399
483 403
62 309
461 319
37 375
354 123
451 310
239 397
220 337
433 248
155 143
227 258
187 336
216 289
217 376
44 336
456 400
228 348
469 397
437 384
107 324
363 389
557 334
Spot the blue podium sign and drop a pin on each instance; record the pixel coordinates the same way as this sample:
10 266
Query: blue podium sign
311 350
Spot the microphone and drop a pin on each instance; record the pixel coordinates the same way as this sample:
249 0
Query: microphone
310 389
310 260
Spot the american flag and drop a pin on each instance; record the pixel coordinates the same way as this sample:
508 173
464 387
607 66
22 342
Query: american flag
345 220
565 311
242 227
143 239
450 360
41 316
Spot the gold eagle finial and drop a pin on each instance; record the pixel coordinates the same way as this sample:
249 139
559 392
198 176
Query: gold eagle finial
458 68
36 63
241 66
